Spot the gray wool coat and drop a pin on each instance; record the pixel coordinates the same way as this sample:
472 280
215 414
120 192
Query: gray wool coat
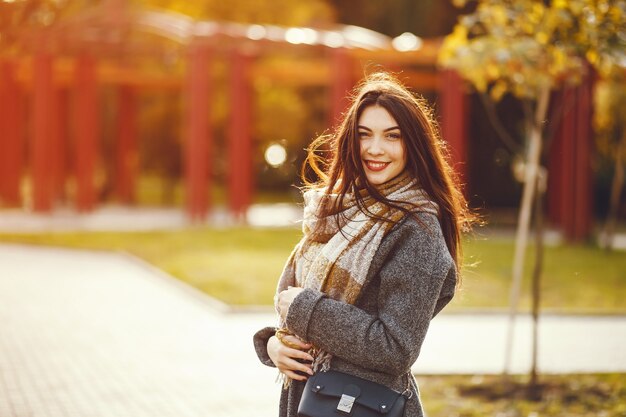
411 278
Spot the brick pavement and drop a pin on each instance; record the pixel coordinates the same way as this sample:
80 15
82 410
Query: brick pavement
108 338
91 334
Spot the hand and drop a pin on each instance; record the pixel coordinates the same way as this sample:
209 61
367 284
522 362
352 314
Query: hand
285 298
285 357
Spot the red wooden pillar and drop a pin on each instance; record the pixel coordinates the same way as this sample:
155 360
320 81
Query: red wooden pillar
58 144
454 108
562 164
583 197
4 139
240 140
11 135
87 131
42 146
342 83
198 135
570 201
126 149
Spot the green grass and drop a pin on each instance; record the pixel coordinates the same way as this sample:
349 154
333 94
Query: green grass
576 278
241 266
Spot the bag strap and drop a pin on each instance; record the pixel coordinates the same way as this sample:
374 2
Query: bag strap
408 393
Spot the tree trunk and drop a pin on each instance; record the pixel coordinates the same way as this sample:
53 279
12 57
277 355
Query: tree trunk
616 192
521 238
533 388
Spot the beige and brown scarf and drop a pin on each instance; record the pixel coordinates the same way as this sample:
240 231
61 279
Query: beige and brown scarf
336 251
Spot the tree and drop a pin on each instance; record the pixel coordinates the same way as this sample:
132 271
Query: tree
529 48
610 125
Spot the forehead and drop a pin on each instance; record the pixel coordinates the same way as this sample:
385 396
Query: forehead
376 117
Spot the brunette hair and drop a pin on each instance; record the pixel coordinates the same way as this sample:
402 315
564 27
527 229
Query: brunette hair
335 158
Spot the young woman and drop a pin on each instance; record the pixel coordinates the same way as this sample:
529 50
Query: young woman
381 249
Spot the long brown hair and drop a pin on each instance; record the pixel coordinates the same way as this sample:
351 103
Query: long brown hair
426 156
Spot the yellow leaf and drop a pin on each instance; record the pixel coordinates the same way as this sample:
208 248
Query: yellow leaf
498 91
542 38
498 14
560 4
492 71
592 56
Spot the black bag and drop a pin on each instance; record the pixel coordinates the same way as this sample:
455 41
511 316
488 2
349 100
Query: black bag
333 393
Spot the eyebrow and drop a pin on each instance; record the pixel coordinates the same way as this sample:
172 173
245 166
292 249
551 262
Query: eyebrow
386 130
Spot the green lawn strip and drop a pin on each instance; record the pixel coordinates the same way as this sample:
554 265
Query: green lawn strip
240 266
576 278
585 395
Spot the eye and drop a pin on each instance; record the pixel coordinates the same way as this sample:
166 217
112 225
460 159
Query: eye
363 134
394 135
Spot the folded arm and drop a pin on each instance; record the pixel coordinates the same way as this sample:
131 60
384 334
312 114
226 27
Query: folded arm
410 294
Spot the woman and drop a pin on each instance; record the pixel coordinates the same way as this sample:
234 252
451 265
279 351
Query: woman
380 253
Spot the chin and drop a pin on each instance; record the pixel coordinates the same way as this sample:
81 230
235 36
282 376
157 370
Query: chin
377 181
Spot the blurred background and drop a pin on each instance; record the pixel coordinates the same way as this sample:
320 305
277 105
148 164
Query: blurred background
100 98
175 131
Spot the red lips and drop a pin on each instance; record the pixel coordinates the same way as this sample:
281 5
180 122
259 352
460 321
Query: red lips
376 165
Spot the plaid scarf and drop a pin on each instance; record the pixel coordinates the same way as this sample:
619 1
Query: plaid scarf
335 254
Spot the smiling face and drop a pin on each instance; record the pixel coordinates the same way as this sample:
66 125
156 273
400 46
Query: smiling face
381 145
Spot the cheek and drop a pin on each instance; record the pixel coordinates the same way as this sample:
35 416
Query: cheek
401 153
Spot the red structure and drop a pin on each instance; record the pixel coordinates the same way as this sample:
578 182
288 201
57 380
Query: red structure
454 110
333 59
11 136
58 143
87 130
240 174
42 151
199 137
341 82
571 199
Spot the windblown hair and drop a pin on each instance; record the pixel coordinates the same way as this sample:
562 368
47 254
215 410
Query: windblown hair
336 159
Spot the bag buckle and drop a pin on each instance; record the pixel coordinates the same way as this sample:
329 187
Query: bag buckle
345 403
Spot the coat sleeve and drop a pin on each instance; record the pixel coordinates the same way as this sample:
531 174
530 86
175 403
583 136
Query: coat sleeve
260 339
411 283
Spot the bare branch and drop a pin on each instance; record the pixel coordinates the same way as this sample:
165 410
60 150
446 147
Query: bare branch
508 140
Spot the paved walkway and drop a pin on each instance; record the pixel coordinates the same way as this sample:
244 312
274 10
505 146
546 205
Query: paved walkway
99 335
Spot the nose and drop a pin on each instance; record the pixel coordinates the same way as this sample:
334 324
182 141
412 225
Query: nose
375 147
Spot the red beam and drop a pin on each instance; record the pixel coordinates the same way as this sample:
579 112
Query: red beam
454 108
126 150
240 140
87 131
42 146
198 135
11 135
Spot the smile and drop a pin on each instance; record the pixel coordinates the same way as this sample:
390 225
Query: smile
376 166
